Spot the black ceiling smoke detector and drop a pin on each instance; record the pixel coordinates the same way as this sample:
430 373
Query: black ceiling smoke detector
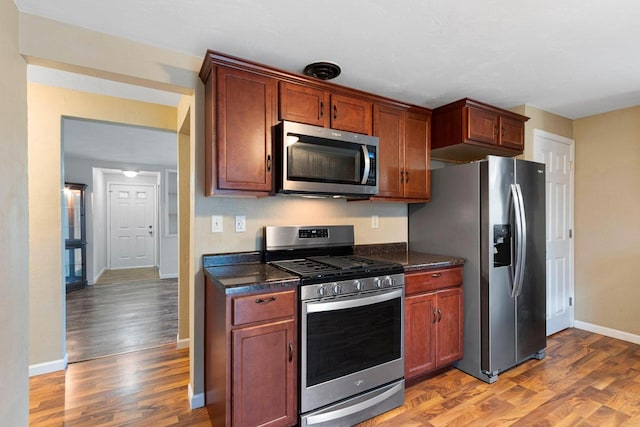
323 70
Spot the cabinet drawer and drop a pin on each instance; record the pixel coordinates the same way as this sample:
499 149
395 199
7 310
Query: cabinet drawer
257 308
432 279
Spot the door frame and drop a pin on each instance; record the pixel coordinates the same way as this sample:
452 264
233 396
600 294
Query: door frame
156 207
537 135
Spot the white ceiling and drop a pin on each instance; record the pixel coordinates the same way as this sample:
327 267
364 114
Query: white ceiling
572 57
128 146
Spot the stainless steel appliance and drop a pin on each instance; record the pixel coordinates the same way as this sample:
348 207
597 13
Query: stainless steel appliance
321 161
492 213
351 324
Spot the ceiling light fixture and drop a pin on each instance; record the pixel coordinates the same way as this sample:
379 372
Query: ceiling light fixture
130 173
323 70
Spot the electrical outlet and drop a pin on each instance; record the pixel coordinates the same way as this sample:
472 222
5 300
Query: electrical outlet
216 223
241 223
374 221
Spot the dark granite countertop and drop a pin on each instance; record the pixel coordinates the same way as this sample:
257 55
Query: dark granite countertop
410 260
244 273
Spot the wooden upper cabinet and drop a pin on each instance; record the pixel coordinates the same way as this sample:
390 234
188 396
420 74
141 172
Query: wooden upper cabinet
403 153
315 106
241 113
468 130
512 133
388 126
350 114
416 158
304 104
482 125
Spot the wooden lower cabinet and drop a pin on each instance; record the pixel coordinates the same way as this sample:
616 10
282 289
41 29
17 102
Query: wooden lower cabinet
251 358
433 321
264 379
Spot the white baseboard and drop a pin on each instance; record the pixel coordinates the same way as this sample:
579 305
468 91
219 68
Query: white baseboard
182 343
608 332
47 367
169 276
195 400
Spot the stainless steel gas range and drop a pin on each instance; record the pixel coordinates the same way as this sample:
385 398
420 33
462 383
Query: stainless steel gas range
351 326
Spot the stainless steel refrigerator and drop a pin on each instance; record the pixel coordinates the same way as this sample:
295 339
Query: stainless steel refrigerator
492 213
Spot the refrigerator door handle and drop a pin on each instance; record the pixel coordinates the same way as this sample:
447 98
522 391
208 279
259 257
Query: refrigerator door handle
517 210
521 236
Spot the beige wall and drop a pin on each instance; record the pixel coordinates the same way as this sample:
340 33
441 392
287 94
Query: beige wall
14 250
47 105
543 120
607 220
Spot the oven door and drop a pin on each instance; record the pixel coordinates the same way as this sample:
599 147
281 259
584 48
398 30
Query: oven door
350 345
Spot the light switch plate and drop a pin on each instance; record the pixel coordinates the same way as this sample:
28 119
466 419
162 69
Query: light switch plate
216 223
241 223
375 221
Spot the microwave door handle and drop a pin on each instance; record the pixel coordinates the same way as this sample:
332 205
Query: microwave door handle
367 165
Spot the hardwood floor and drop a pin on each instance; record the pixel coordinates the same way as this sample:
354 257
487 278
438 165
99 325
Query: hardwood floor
585 380
127 311
142 388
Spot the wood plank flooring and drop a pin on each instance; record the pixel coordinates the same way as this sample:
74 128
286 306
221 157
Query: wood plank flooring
135 311
585 380
142 388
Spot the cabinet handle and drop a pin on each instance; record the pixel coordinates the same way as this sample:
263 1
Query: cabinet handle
407 177
268 162
321 109
439 315
290 351
401 176
335 112
495 132
265 301
435 317
436 275
502 132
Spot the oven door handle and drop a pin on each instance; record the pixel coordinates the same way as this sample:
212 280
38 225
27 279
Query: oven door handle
352 302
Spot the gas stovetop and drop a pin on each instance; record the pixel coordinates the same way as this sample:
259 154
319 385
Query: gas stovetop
334 267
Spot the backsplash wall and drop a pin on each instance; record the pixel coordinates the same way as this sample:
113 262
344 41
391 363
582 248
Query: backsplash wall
291 210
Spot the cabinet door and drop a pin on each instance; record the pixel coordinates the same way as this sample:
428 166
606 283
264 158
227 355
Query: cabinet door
264 386
246 105
449 342
388 126
482 125
416 156
419 333
512 133
304 104
350 114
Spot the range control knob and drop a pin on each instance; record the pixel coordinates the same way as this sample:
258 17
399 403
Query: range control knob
377 282
322 291
357 284
336 289
388 281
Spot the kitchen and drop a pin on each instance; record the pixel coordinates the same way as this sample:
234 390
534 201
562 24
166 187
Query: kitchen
598 163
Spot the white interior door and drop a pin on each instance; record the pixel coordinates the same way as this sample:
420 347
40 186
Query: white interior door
557 154
132 233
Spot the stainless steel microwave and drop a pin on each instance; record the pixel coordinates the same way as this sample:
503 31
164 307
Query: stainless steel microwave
320 161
